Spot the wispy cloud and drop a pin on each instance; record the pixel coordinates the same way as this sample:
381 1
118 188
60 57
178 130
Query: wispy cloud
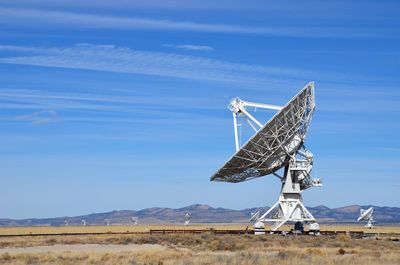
111 58
49 19
100 108
124 60
190 47
393 149
123 103
40 117
276 9
361 104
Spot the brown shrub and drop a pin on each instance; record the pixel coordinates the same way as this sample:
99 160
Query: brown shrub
282 254
51 241
343 238
5 257
315 251
227 245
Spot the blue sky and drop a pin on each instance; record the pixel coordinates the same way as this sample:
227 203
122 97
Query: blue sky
122 104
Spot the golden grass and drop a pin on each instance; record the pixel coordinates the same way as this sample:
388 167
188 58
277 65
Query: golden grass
212 249
146 228
175 257
111 229
376 229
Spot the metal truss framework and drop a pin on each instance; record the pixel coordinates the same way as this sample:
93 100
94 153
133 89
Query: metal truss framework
278 144
297 178
274 144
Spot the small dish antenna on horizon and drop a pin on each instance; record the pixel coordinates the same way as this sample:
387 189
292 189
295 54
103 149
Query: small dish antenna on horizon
107 222
188 217
66 222
259 227
366 215
254 216
135 220
84 222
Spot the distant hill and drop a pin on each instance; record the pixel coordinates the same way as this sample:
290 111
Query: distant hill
207 214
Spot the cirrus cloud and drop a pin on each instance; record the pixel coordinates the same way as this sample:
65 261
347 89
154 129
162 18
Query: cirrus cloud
190 47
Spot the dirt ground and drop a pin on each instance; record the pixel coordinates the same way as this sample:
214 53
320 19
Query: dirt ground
81 248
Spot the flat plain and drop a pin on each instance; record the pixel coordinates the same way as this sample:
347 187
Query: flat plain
81 247
23 230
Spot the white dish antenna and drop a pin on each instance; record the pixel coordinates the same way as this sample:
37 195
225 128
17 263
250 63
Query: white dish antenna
366 215
278 144
66 222
84 222
107 222
188 217
135 220
254 216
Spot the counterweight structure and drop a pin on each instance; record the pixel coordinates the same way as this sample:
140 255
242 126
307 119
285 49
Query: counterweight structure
279 144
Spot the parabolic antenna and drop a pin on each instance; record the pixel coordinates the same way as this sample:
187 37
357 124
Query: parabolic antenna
254 216
188 217
277 144
135 220
366 215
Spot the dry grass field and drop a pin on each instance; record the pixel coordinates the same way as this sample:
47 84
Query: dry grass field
205 248
111 229
147 228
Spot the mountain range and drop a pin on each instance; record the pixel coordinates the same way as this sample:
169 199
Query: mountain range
206 214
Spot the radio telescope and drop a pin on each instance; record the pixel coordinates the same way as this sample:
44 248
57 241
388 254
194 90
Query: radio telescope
366 215
84 222
188 217
107 222
135 220
254 216
276 145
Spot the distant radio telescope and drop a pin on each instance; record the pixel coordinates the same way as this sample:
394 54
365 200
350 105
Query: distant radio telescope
366 215
188 217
